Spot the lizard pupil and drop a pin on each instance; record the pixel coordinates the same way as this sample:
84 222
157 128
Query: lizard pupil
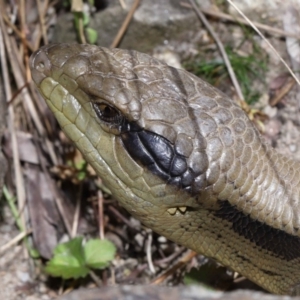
108 112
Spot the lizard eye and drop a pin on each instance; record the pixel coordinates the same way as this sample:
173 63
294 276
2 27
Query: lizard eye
108 113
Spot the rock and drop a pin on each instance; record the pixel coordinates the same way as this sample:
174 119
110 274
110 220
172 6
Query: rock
166 293
154 22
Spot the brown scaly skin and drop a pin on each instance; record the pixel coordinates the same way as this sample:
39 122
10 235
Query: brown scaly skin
233 198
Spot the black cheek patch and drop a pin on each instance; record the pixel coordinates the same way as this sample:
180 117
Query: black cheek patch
280 243
138 152
155 153
158 148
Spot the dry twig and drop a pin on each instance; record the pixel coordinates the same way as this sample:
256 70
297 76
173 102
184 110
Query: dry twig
149 252
4 40
183 261
101 214
42 19
283 91
77 212
15 240
125 24
264 38
267 28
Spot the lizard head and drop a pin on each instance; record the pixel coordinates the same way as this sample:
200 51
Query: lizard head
115 106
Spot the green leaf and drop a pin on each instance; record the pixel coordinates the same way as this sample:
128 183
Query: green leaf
68 260
99 253
81 176
81 165
92 35
34 253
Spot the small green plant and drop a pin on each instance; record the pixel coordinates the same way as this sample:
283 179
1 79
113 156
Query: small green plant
246 67
75 258
11 200
82 20
91 34
81 168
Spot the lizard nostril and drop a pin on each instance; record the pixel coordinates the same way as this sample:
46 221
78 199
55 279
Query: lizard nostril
40 67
